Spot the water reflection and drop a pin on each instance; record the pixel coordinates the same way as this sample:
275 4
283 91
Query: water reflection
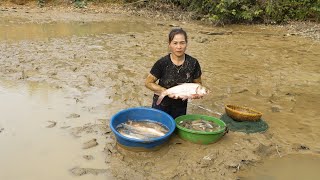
10 30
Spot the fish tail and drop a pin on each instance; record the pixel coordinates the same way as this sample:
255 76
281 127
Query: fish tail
160 98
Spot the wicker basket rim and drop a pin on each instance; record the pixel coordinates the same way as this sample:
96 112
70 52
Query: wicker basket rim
255 113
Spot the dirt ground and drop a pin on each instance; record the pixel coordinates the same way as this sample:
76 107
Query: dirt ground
275 69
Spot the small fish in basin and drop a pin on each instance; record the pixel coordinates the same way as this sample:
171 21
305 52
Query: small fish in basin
200 125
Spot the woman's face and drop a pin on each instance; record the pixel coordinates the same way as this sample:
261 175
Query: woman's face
178 45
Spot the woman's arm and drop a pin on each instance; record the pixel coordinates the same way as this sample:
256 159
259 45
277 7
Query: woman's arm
198 80
150 83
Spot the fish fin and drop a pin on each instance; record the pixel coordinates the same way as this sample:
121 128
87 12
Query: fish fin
197 89
193 96
184 98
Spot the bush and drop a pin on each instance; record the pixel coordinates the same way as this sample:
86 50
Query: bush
238 11
227 11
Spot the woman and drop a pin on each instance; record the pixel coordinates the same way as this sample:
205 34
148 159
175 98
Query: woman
171 70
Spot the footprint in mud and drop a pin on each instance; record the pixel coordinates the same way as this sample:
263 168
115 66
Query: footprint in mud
82 171
298 147
73 115
90 144
88 157
53 124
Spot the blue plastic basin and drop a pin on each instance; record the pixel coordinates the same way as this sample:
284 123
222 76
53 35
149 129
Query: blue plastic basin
142 113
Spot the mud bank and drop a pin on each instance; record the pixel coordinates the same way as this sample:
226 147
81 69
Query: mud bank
101 65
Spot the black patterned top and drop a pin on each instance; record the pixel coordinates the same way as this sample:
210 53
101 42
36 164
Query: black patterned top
170 75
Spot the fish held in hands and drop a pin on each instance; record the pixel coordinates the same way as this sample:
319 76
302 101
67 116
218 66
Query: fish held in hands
184 91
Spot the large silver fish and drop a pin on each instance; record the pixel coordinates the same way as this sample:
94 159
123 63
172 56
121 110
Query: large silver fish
184 91
143 129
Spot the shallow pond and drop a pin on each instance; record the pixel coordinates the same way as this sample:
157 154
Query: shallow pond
94 68
17 29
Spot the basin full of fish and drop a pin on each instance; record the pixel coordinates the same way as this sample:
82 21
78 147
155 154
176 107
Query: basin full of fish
200 125
142 129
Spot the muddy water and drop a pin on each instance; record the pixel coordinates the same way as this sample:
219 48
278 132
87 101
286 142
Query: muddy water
289 167
102 71
16 29
31 147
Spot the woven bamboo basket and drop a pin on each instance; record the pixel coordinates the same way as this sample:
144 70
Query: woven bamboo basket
240 113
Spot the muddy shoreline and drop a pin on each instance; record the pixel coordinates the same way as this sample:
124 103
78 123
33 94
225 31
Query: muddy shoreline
279 77
163 12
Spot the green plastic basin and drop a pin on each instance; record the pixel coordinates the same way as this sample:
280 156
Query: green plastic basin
200 137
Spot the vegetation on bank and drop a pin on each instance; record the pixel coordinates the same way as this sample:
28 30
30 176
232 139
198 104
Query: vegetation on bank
251 11
225 11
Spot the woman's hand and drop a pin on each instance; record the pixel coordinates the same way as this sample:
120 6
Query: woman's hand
150 83
173 96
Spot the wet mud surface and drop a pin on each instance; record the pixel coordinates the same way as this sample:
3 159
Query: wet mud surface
100 60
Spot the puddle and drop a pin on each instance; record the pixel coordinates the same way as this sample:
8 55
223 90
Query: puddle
33 149
15 29
293 167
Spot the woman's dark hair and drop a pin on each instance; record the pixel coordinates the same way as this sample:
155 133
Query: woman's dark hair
176 31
